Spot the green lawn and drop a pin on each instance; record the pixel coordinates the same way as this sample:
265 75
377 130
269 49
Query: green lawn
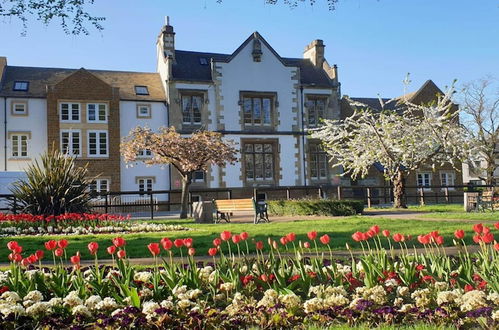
339 229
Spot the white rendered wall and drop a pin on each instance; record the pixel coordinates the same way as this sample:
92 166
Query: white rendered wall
210 106
128 121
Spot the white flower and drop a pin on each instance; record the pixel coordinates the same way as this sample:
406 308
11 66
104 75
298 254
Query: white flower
313 305
391 282
16 309
81 310
107 303
446 297
494 297
194 294
38 309
228 286
92 302
149 307
402 291
472 300
184 303
35 296
10 296
55 302
290 300
145 293
405 308
167 304
495 315
143 276
179 289
72 299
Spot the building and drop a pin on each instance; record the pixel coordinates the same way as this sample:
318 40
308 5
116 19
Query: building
264 102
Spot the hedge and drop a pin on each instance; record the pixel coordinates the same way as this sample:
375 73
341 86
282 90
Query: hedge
324 207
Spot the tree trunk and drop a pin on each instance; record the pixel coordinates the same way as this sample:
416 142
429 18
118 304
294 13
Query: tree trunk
186 183
399 190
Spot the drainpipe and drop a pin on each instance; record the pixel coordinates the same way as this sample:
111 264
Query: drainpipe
5 132
303 138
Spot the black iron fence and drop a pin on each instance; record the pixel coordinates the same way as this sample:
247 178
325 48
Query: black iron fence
162 202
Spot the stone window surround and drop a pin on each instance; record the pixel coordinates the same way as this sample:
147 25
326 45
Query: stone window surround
28 138
276 166
97 104
273 111
141 105
70 142
313 96
203 93
309 162
83 110
19 114
98 155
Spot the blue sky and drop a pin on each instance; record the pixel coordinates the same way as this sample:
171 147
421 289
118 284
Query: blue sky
373 42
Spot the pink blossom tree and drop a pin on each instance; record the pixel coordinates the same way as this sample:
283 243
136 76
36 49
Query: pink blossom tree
186 153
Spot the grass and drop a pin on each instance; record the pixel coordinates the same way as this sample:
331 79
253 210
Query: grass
339 229
451 208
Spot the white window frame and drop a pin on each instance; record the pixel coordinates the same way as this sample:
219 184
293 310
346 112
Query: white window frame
19 148
97 146
70 112
98 185
144 153
18 113
97 113
145 106
70 142
20 86
448 174
144 182
424 185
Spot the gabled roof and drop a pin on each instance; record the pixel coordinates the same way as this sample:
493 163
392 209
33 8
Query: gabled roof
39 78
188 67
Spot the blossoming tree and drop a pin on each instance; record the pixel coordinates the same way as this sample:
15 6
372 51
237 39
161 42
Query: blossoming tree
187 154
400 140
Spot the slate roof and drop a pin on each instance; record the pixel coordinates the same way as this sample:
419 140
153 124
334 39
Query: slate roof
39 78
188 67
375 104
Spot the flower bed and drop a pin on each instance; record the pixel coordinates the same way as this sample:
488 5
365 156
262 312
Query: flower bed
267 290
76 224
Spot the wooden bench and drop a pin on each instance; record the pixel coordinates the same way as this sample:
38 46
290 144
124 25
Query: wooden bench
488 201
225 207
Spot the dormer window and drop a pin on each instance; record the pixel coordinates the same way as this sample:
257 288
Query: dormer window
141 90
203 61
21 86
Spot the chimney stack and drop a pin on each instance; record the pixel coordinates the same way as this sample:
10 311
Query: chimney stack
167 39
315 52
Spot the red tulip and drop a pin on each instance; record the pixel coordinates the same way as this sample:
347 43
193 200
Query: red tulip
154 248
75 260
18 249
324 239
312 235
93 247
496 225
50 245
191 251
32 259
119 242
39 254
358 236
477 238
62 244
291 237
166 243
439 240
111 249
225 235
259 245
306 245
188 242
424 239
283 240
459 234
15 257
236 239
59 252
398 237
468 288
121 254
25 262
386 233
370 233
178 243
488 238
212 251
478 228
217 241
375 229
12 245
496 246
244 235
486 230
434 234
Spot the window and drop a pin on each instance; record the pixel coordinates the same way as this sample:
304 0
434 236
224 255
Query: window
19 145
257 110
318 162
198 176
424 180
99 185
97 112
191 109
19 108
447 179
141 90
22 86
143 111
144 153
97 144
316 108
145 184
71 142
259 161
70 112
203 61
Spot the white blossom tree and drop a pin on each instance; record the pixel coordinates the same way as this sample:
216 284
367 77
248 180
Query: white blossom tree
400 140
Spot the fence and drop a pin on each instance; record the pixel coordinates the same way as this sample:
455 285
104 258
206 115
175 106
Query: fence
161 202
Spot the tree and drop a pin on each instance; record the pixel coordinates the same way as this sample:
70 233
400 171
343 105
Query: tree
294 3
481 114
72 13
186 154
54 187
401 140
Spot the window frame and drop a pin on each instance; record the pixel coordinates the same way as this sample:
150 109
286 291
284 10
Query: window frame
19 136
142 154
318 152
70 141
98 142
196 180
145 179
97 112
447 173
252 95
141 93
98 183
191 95
70 112
15 89
13 105
149 111
424 186
314 98
274 157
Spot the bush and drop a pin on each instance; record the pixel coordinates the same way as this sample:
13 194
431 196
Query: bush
326 207
54 187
